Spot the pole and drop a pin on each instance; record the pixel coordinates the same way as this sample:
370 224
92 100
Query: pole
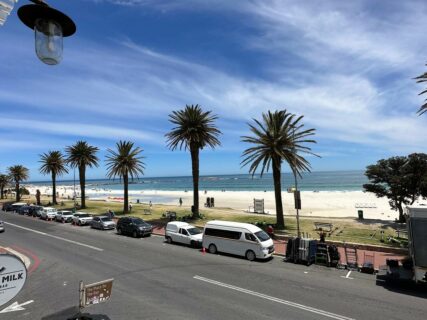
74 196
81 297
296 184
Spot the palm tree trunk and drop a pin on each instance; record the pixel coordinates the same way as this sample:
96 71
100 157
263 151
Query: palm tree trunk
2 189
126 197
17 191
54 188
280 222
195 170
82 179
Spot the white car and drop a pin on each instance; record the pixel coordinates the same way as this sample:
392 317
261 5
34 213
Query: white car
183 232
81 218
64 216
48 213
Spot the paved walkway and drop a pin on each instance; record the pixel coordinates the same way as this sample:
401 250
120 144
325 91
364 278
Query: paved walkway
378 258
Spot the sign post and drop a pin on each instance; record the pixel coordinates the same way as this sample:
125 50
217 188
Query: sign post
13 275
94 293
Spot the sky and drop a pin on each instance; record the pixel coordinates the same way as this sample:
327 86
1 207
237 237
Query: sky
346 66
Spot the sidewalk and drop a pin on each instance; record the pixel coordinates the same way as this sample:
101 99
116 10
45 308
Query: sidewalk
379 256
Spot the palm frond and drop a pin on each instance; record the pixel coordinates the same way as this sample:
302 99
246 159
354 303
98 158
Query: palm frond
124 161
53 162
18 173
281 136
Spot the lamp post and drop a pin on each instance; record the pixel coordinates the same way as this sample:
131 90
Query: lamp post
50 26
297 197
6 6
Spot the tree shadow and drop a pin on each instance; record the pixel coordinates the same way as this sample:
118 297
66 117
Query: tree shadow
72 313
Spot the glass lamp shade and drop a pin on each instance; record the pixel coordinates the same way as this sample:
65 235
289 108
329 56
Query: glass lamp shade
48 40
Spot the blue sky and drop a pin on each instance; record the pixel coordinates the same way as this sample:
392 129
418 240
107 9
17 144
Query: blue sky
347 66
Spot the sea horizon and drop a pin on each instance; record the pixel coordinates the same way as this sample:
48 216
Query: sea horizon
342 180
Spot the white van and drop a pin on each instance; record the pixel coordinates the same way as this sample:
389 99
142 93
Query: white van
183 232
237 238
48 213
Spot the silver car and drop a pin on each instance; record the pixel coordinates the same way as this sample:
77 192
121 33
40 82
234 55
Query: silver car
102 222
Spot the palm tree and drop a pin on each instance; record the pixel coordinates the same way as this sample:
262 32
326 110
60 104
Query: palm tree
278 137
194 129
17 174
82 155
53 163
4 181
123 163
420 79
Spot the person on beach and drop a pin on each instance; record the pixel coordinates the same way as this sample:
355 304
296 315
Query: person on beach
180 202
322 235
130 208
151 205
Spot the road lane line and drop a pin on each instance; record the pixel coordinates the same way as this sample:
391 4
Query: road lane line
55 237
347 276
285 302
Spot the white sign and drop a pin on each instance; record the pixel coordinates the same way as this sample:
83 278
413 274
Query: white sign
13 274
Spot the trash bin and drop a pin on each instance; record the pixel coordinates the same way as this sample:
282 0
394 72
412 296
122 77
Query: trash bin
137 200
360 214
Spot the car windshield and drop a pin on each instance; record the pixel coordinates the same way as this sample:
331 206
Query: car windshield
83 215
139 221
262 236
193 231
105 219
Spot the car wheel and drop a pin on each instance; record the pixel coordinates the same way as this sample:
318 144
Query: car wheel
134 234
79 223
250 255
193 244
119 231
212 249
169 240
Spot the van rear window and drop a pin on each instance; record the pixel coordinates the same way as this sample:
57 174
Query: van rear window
235 235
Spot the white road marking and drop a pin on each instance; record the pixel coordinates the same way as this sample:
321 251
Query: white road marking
16 306
285 302
347 276
55 237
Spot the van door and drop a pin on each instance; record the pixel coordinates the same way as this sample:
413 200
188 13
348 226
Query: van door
252 243
184 236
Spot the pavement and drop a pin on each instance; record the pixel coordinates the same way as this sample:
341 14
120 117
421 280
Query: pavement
155 280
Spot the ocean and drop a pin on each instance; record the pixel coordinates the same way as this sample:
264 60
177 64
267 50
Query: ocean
314 181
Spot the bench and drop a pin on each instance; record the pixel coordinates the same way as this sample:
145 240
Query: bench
324 226
147 211
402 233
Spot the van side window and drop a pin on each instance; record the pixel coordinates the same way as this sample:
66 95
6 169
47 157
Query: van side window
183 231
250 237
223 233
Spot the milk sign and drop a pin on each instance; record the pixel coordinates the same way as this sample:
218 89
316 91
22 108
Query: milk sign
13 274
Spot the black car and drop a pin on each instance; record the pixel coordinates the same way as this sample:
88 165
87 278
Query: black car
24 210
134 226
35 211
7 206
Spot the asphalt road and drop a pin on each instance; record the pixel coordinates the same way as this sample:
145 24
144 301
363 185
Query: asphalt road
155 280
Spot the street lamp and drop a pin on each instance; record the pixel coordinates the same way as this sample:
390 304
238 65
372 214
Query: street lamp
50 26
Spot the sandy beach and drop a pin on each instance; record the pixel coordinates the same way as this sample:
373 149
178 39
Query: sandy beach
337 204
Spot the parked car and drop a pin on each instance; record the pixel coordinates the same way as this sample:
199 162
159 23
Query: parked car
17 205
102 222
1 226
24 209
134 226
7 206
35 211
48 213
81 218
243 239
183 232
64 216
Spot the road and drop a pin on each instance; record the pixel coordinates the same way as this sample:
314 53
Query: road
155 280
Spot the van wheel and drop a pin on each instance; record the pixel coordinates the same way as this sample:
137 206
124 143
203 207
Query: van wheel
193 244
169 240
119 231
134 234
250 255
212 248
